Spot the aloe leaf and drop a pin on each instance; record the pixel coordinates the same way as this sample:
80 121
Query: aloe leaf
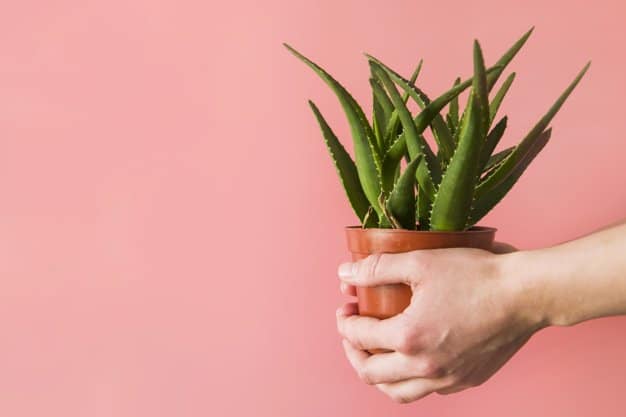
497 99
384 222
392 221
497 158
453 202
368 161
484 204
345 167
397 148
479 87
424 207
431 109
371 218
443 135
508 56
391 162
452 117
401 201
392 159
394 122
382 109
522 149
377 119
493 138
414 141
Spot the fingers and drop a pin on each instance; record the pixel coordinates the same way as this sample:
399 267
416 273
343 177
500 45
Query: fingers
413 389
347 289
380 269
366 333
348 310
389 367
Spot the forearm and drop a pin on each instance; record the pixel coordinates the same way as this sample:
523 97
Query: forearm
572 282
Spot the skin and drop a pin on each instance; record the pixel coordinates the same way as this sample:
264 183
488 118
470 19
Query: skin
472 310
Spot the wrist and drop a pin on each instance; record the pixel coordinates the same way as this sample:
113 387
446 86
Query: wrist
526 290
569 283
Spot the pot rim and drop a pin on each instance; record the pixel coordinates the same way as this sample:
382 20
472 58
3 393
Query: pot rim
472 230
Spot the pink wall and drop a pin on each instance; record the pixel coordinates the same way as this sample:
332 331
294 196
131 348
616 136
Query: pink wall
170 222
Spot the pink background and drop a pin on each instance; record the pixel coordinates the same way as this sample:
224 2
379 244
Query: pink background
171 224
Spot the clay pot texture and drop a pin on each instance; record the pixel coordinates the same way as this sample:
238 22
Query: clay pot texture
388 300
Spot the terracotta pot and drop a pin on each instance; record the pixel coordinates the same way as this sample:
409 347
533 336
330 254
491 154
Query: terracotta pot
388 300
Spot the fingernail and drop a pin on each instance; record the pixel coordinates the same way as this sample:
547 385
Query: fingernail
339 311
346 270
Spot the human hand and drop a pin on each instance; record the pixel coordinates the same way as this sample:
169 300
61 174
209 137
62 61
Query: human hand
466 319
497 247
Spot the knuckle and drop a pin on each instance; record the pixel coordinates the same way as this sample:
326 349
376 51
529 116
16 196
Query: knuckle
458 382
455 380
405 345
368 267
365 376
353 336
408 341
430 368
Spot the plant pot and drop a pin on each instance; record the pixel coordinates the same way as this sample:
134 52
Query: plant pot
388 300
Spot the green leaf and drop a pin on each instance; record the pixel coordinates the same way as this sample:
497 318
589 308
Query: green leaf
391 162
479 87
401 201
508 56
493 138
453 202
496 158
424 207
414 141
389 220
452 117
485 203
430 110
394 122
497 99
381 113
368 161
527 143
345 167
371 218
451 207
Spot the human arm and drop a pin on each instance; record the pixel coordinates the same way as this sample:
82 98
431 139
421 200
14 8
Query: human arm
471 310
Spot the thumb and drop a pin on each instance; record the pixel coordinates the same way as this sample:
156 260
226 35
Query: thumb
380 269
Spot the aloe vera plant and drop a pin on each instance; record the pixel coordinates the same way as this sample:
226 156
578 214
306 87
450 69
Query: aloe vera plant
452 187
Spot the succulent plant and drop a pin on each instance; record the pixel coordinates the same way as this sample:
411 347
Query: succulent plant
452 188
